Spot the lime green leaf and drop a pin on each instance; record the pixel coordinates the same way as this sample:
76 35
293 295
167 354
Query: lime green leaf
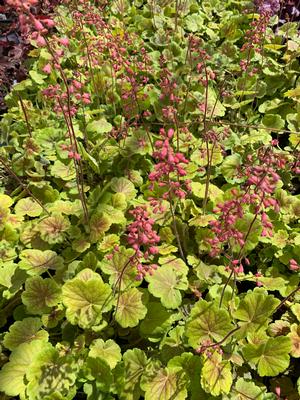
198 190
24 331
86 297
37 77
5 201
108 243
255 309
280 239
13 372
125 186
134 365
130 308
35 262
292 92
216 376
273 121
99 224
166 385
200 158
248 390
207 321
119 268
271 356
66 172
166 284
40 294
296 310
29 207
52 376
53 229
193 22
96 128
230 167
109 351
294 335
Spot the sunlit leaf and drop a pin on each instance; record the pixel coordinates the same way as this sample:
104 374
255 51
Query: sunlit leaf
108 351
40 294
121 271
24 331
131 308
29 207
13 372
207 321
35 262
271 356
54 229
166 385
86 297
166 284
216 376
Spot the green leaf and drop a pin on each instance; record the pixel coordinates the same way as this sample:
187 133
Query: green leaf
157 322
29 207
166 385
119 268
130 309
198 190
166 284
271 356
36 77
125 186
52 376
86 297
98 369
13 372
248 390
255 309
230 167
207 321
40 294
66 172
273 121
128 377
24 331
294 335
109 351
99 224
193 22
35 262
95 129
216 376
54 229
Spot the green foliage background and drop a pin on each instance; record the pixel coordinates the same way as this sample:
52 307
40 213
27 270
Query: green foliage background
79 325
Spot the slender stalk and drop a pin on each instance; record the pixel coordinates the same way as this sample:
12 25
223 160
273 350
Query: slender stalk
26 116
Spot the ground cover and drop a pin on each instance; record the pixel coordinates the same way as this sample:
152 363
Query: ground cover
149 203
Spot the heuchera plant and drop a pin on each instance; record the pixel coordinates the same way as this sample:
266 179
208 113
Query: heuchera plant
149 203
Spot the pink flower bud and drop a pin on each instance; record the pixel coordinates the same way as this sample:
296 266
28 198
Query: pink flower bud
64 41
47 69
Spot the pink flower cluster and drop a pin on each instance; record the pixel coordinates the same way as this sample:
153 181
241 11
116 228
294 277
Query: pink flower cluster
29 22
71 153
261 182
143 239
60 97
170 166
294 266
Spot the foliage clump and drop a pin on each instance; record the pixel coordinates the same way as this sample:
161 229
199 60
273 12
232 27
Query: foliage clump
149 206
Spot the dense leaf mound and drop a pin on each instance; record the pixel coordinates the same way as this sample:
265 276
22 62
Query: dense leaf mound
149 204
